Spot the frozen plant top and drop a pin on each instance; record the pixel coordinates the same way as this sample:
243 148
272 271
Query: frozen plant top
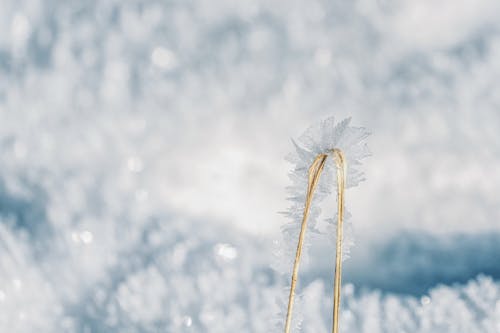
322 138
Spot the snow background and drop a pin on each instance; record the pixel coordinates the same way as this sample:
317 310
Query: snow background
142 162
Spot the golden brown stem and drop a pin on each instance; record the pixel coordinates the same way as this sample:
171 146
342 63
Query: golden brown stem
341 168
315 171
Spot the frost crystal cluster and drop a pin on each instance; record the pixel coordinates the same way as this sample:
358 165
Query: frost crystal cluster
321 138
472 308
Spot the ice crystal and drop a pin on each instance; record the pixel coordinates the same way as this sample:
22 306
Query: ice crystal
472 308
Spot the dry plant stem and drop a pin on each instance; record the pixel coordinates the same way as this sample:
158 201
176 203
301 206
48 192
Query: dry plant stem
341 170
315 171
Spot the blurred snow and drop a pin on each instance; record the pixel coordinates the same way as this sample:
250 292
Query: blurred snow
142 161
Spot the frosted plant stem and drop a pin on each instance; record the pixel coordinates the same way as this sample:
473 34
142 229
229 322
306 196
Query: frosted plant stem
341 168
314 172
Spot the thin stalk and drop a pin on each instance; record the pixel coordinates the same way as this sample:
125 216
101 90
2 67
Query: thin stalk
315 171
341 170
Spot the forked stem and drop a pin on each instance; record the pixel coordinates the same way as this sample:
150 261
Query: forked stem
315 171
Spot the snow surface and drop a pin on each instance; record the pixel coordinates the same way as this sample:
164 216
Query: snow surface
142 168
